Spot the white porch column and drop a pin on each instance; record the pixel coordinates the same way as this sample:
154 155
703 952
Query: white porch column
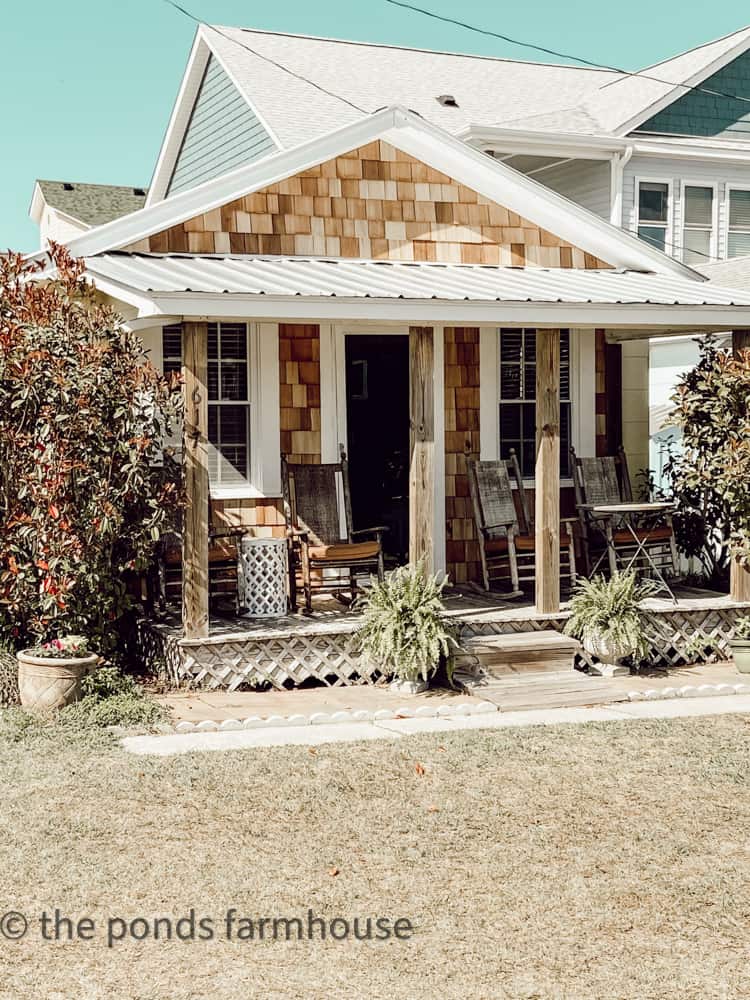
547 486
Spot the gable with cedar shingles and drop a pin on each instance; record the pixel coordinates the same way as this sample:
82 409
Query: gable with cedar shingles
374 202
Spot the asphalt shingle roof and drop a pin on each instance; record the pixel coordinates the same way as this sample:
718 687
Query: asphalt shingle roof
93 204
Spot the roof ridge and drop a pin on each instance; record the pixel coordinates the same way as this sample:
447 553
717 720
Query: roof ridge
410 48
694 48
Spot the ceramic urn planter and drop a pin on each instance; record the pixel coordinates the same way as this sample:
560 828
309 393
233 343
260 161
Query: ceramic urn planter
610 656
741 654
46 683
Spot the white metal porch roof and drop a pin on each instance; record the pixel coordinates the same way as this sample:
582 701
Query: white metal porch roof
165 274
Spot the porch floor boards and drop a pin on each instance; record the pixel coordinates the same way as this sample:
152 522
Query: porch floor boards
464 606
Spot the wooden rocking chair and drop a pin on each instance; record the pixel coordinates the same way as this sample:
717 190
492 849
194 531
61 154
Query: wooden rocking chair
321 561
606 480
506 540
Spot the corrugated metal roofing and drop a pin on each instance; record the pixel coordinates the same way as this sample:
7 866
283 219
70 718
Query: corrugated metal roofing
322 277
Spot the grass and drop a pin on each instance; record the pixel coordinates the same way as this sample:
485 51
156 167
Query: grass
607 861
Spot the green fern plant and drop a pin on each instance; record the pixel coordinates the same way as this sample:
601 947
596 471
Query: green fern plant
403 629
609 609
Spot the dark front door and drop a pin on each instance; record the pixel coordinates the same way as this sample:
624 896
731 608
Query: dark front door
377 419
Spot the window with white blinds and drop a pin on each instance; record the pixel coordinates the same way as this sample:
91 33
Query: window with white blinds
653 205
228 398
697 224
518 398
738 237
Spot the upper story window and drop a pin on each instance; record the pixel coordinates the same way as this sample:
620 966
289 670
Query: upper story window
654 213
228 398
697 224
738 236
518 398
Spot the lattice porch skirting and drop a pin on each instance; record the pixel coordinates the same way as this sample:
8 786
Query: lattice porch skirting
327 653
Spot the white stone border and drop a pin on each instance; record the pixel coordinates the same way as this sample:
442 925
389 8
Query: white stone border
334 718
688 691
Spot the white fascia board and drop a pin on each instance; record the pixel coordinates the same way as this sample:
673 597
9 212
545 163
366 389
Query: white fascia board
529 142
530 199
630 316
411 134
695 151
38 201
679 89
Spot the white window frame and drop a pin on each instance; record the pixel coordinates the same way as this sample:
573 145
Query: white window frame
582 394
713 242
264 419
669 247
727 204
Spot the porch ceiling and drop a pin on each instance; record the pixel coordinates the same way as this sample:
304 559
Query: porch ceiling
277 286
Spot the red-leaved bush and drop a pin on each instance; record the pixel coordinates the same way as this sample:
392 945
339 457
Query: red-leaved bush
84 488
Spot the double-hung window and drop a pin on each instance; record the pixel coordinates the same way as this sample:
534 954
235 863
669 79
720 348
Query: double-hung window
228 398
518 398
738 237
653 213
697 224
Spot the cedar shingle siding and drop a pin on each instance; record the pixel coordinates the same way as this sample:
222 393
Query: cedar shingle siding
373 203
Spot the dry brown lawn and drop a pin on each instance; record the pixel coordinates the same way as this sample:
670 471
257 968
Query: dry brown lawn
607 861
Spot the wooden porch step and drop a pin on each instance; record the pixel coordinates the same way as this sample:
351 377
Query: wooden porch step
565 689
517 653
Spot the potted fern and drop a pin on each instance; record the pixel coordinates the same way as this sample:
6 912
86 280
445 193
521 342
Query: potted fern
605 616
403 630
740 644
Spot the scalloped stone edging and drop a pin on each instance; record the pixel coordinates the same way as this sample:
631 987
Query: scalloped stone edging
460 710
688 691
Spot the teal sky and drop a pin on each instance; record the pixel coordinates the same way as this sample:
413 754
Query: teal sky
88 85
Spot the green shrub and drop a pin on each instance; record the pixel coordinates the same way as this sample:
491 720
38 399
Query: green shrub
403 630
85 490
8 678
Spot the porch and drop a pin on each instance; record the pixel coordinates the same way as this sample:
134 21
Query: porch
299 650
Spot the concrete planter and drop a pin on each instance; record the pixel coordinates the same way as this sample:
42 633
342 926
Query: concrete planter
46 683
408 687
610 656
741 654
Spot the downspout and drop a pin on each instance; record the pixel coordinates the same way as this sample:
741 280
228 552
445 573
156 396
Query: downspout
619 162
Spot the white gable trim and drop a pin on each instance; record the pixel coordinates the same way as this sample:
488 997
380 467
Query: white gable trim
182 112
411 134
678 90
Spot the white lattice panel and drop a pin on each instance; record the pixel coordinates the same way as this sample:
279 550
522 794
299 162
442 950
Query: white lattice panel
261 576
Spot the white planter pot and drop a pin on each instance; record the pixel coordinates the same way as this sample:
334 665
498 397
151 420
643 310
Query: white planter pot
46 683
609 655
408 687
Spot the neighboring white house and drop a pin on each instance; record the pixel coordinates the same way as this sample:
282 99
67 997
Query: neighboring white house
664 153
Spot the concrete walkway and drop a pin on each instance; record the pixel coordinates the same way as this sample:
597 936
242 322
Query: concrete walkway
394 729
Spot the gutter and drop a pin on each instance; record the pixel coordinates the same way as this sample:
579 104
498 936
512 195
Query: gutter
619 162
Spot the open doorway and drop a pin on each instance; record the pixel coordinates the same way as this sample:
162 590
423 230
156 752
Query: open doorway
377 420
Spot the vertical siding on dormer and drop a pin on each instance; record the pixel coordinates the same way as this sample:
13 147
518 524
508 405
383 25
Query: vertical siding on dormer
223 133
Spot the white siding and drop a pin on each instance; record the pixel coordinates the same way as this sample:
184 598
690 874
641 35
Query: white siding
680 172
584 181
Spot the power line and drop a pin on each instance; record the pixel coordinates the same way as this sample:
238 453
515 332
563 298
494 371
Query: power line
273 62
559 55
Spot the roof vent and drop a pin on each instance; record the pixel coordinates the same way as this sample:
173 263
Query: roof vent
139 192
448 101
68 187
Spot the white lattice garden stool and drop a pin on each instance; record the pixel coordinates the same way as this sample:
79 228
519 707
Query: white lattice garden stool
261 576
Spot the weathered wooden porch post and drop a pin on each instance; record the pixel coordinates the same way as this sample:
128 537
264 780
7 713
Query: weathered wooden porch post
739 582
547 486
195 469
422 462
